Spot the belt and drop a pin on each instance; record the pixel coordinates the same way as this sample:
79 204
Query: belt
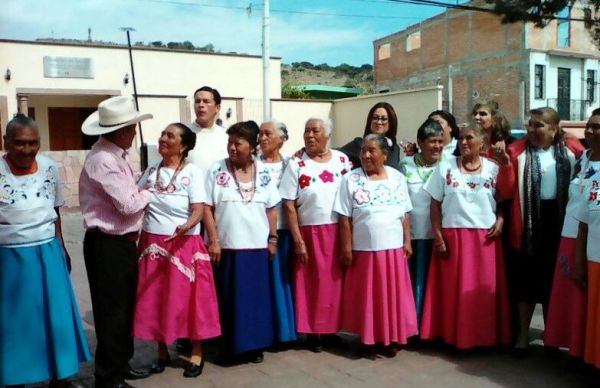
131 237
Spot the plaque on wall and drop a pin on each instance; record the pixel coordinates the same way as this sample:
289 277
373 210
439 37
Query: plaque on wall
68 67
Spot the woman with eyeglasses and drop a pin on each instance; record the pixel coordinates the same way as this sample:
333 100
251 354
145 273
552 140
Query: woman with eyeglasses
381 120
542 163
567 309
587 258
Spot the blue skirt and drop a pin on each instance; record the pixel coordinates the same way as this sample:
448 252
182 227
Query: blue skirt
281 277
41 335
419 268
245 300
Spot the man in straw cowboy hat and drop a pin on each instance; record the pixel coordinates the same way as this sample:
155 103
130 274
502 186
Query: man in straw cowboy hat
112 207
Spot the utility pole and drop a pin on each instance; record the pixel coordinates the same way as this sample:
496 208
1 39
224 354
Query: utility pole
265 58
144 146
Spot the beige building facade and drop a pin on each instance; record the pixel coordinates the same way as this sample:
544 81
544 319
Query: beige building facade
61 84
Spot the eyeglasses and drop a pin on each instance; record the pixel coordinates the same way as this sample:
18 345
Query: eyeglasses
383 119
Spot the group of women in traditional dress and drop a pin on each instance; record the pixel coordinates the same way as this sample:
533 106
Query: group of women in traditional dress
261 247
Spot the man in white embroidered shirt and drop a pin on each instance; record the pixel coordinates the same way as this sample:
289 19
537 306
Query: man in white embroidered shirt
211 139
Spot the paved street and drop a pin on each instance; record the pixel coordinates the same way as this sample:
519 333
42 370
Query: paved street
428 367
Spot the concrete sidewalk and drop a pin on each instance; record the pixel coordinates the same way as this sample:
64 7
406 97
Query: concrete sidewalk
426 367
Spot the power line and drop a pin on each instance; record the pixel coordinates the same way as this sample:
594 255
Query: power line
287 11
433 3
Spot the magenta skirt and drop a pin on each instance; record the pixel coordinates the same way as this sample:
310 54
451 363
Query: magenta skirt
466 303
565 324
377 302
318 283
176 296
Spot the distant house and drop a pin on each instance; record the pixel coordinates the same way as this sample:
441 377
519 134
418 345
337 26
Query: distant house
475 57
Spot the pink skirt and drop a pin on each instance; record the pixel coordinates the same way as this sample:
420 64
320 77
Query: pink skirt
377 302
592 335
318 283
176 296
565 324
466 303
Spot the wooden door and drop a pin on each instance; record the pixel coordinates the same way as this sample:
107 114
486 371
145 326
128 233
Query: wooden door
64 125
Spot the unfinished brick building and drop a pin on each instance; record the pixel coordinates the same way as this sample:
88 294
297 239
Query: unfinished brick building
475 57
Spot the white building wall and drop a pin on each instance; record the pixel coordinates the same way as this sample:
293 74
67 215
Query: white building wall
578 67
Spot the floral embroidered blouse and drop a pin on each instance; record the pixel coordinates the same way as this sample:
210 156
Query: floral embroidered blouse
27 203
313 185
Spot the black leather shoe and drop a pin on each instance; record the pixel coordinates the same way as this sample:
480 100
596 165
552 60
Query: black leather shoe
159 365
136 374
257 358
193 370
314 343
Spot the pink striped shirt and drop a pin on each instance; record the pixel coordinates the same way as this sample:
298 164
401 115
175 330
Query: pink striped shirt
109 197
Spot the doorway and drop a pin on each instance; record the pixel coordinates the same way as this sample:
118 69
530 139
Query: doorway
64 125
564 93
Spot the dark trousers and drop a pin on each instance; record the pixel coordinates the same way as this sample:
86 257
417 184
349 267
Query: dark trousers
112 270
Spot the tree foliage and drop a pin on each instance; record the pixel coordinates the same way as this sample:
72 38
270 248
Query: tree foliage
541 12
294 92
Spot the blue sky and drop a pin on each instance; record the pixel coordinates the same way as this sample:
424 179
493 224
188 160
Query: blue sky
304 35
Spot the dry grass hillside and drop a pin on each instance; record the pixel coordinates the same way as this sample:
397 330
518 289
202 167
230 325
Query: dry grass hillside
305 73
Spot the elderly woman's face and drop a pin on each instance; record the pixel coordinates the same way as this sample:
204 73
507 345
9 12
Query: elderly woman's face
315 137
470 144
431 148
380 121
372 157
483 117
169 143
23 146
269 139
540 134
239 149
445 126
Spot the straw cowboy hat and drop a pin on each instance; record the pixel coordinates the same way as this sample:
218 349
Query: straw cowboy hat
112 114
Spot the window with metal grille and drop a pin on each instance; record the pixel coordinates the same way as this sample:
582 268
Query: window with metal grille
539 81
590 83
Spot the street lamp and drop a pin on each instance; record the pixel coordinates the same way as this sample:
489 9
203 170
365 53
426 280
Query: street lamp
144 146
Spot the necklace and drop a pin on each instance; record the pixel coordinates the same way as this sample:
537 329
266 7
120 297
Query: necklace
471 183
424 169
170 187
470 169
246 194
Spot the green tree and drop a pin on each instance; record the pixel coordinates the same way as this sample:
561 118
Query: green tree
541 12
294 92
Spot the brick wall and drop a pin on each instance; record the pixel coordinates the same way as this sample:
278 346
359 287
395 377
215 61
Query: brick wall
486 57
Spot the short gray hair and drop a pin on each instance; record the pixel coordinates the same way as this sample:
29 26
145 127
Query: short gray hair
382 142
280 127
327 123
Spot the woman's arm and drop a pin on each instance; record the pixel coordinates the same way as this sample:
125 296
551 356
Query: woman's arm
496 230
346 239
407 238
439 243
59 236
289 207
214 248
272 240
193 220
